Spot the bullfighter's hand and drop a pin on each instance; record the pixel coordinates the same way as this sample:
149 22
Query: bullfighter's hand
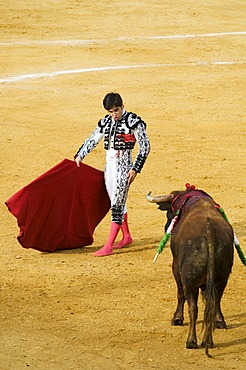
131 176
78 160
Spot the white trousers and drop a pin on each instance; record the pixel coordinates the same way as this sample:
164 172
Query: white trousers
118 164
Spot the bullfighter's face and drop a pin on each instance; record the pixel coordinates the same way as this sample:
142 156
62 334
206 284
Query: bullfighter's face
116 112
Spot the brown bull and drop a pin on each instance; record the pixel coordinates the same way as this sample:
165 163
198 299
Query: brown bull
202 249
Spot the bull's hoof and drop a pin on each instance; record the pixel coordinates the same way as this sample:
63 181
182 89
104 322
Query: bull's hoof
210 345
220 325
191 344
177 322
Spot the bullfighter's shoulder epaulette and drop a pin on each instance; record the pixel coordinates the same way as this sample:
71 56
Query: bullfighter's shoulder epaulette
102 123
132 120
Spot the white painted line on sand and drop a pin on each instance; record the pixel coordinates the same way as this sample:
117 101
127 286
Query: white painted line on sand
105 41
110 68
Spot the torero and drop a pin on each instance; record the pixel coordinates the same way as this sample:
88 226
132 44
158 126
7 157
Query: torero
120 130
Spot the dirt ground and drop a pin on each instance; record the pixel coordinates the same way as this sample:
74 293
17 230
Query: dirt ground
181 66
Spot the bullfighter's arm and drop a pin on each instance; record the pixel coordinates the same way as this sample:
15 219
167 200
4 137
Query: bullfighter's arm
143 147
90 143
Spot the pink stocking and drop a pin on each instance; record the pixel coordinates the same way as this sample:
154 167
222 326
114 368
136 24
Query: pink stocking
127 239
107 249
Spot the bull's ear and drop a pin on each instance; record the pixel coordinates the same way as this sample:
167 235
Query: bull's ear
164 206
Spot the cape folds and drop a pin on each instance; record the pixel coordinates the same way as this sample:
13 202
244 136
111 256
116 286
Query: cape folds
61 208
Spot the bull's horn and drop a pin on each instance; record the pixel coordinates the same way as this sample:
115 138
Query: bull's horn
159 199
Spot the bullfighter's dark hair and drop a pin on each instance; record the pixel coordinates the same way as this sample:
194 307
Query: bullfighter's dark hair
112 100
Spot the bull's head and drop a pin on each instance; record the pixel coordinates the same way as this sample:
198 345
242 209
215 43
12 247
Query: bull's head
165 204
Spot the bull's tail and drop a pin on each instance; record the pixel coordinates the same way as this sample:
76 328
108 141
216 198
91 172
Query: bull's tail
210 293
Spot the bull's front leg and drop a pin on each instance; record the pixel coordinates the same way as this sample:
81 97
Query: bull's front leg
178 317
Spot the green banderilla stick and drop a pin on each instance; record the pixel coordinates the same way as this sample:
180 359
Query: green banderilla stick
236 242
166 237
162 244
239 250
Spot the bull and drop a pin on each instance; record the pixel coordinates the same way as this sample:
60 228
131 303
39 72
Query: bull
202 249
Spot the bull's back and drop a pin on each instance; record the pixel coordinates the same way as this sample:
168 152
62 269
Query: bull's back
190 242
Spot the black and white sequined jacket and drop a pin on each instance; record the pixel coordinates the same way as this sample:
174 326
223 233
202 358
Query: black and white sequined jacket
120 135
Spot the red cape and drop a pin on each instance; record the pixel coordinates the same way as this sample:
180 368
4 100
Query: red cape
61 208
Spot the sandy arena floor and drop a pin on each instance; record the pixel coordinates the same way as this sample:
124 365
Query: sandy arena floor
181 66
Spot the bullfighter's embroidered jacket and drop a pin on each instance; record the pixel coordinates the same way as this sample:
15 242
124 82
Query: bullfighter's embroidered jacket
120 135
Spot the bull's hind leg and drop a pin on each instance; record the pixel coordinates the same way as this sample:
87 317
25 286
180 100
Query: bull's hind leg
178 317
192 297
219 318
